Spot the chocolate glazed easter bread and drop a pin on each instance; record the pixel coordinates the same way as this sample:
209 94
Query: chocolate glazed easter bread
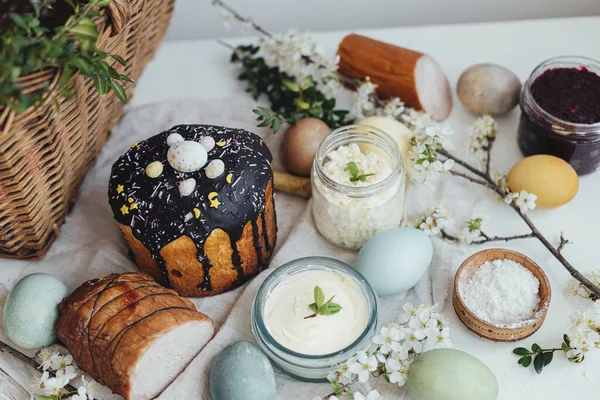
131 334
195 204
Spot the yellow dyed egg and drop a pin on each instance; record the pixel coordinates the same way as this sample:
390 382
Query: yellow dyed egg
550 178
396 129
154 169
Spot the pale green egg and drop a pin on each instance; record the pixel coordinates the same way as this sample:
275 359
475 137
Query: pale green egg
31 310
448 374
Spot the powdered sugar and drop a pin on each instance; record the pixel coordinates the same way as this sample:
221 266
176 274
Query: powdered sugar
503 293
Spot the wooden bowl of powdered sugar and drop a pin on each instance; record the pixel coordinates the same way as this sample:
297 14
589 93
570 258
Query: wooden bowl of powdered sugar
501 295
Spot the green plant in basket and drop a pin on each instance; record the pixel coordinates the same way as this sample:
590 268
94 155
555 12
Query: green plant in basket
28 45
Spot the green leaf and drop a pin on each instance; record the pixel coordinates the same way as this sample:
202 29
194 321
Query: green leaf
363 178
103 3
565 348
19 21
330 309
313 307
119 91
567 340
291 85
119 59
521 351
301 104
336 387
85 30
306 83
535 348
319 296
352 168
538 363
526 361
547 357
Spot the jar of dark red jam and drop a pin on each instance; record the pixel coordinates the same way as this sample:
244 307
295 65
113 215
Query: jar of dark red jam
560 104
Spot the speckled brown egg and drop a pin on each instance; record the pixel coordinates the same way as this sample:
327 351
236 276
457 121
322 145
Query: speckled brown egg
488 89
300 143
550 178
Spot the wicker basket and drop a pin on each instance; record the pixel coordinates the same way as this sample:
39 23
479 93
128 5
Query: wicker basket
45 152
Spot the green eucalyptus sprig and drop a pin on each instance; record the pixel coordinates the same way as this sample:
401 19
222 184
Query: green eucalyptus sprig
28 46
322 307
542 357
352 168
289 100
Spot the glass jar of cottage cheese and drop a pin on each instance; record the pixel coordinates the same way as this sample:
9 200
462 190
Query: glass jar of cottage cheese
358 185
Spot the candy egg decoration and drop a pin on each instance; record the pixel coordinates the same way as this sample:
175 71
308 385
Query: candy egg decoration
31 310
395 260
187 156
448 374
488 89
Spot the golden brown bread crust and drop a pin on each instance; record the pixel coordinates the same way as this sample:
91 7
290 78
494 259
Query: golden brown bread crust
106 324
185 272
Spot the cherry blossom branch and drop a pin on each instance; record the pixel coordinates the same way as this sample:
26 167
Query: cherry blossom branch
555 251
5 348
563 243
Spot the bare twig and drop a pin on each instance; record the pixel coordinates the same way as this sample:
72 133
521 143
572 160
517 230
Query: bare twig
465 176
241 18
563 243
487 239
488 154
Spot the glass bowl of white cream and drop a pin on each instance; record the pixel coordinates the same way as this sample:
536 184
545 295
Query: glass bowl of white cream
305 345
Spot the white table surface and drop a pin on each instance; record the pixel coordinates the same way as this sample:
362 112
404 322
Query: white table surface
201 69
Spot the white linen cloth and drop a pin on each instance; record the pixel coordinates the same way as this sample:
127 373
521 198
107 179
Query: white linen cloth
91 246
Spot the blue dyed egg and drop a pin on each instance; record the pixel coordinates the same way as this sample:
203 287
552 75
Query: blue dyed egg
242 372
395 260
31 310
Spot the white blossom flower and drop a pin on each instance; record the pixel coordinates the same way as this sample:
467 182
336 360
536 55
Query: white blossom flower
95 390
52 386
363 100
575 356
472 230
501 179
372 395
393 108
434 220
393 350
584 328
389 339
524 200
68 372
297 55
81 394
482 132
427 139
364 365
44 358
439 339
575 288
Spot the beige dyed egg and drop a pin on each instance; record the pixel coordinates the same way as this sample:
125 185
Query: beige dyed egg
550 178
396 129
488 89
300 143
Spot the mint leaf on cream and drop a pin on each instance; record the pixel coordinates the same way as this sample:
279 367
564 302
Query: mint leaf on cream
352 168
322 307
